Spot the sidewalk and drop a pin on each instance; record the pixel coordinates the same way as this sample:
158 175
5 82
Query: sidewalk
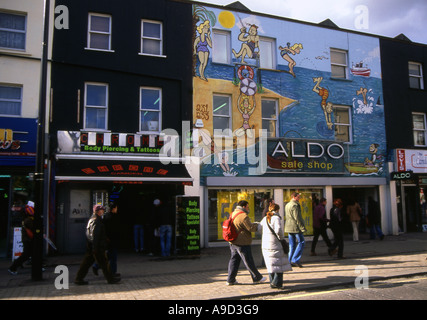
204 277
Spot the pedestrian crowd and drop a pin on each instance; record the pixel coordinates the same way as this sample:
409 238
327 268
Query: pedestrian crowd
103 235
280 256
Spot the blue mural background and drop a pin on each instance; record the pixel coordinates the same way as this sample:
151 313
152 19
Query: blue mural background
305 118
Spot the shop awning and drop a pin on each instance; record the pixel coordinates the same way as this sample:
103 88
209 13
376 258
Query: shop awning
119 169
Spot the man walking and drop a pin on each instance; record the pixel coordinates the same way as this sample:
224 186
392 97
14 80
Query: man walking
319 226
96 245
241 247
295 228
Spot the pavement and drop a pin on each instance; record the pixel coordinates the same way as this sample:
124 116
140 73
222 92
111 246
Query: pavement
204 277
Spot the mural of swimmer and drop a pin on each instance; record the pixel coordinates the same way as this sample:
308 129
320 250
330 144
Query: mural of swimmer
200 47
326 106
285 51
250 41
246 109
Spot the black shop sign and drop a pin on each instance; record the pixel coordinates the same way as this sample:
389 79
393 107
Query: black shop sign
188 225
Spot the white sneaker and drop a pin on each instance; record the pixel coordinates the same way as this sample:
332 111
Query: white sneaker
263 279
232 283
12 272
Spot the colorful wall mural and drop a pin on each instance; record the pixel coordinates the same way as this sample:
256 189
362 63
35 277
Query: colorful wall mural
302 83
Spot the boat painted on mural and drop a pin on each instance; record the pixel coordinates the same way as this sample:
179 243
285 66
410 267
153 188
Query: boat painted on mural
360 70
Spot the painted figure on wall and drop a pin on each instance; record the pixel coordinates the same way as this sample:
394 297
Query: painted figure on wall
326 106
246 109
285 51
250 41
201 44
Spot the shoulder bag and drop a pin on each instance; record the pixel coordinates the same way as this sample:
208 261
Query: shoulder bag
283 241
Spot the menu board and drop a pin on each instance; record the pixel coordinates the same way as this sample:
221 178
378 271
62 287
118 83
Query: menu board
187 225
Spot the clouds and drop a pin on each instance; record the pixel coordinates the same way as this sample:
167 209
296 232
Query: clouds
384 17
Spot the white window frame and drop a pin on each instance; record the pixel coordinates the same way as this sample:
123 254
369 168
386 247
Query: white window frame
229 129
87 106
272 43
276 133
215 46
417 131
419 77
150 38
348 125
340 65
141 110
90 32
13 100
16 31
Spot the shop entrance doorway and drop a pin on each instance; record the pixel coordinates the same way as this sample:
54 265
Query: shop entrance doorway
360 195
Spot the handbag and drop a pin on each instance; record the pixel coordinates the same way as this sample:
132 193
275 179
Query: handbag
283 241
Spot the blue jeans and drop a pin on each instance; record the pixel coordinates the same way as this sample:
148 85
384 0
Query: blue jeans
239 253
375 228
138 237
165 232
295 250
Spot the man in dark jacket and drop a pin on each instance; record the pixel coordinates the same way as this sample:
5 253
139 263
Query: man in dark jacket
27 238
96 245
319 226
374 219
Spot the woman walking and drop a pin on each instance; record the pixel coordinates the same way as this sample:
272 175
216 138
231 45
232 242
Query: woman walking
275 258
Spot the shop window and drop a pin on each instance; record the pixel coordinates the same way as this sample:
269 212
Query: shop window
10 100
151 110
222 115
151 38
308 201
99 32
419 128
12 31
269 117
96 106
342 123
416 75
222 203
267 59
221 46
339 64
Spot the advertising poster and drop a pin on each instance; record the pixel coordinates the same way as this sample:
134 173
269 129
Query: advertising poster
18 247
227 202
188 225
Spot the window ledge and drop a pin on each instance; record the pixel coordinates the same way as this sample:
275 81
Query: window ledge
102 50
152 55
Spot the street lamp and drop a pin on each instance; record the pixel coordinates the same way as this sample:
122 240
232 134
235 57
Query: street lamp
38 177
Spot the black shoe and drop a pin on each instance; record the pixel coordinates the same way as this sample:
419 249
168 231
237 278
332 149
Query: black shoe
95 271
81 282
299 265
117 275
114 281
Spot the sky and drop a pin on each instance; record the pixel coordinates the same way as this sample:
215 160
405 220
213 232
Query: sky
379 17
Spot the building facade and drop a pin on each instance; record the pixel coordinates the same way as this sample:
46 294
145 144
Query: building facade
121 75
404 85
21 29
282 106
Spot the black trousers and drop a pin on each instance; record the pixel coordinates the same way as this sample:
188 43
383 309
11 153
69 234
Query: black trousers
338 241
320 232
88 260
25 255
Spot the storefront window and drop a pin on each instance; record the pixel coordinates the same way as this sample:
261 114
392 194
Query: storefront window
223 202
308 201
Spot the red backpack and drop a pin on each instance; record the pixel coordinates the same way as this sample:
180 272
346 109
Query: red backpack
229 232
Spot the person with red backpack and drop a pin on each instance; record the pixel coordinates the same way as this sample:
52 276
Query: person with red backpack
241 246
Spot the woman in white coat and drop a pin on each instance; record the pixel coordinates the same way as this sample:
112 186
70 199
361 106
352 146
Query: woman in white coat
275 258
